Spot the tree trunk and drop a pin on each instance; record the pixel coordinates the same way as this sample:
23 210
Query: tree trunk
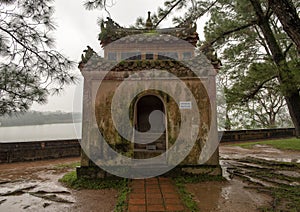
227 121
285 77
287 15
293 103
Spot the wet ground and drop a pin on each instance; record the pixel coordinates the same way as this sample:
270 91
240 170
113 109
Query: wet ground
34 186
258 179
253 175
227 196
259 151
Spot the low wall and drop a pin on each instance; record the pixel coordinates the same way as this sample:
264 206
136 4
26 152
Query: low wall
39 150
260 134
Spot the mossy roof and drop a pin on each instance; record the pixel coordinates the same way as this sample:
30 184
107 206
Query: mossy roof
111 31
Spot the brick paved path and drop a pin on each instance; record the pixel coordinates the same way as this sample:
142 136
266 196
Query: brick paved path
154 194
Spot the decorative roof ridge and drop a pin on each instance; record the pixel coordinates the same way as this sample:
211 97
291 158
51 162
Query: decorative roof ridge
111 31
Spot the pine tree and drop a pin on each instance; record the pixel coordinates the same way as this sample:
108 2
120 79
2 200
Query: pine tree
247 32
30 67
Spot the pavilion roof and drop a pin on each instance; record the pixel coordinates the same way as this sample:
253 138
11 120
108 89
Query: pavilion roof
111 31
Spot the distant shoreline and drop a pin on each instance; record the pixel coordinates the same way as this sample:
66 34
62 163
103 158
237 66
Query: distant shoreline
39 118
43 132
23 125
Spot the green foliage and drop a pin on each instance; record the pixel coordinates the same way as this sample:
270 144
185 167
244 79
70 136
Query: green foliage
257 94
122 199
247 105
30 67
187 198
191 178
284 144
251 83
288 195
70 179
254 95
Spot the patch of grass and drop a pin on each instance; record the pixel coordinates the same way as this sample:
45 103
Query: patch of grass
270 164
70 180
284 144
285 198
67 165
287 195
122 200
187 197
191 178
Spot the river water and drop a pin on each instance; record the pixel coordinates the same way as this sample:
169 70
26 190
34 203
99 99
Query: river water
40 132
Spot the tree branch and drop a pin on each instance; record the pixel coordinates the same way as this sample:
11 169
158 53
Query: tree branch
263 42
170 10
287 49
22 44
252 23
257 88
203 12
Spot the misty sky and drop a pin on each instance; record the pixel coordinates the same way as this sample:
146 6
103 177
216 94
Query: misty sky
77 28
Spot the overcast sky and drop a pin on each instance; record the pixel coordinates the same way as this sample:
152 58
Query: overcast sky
77 28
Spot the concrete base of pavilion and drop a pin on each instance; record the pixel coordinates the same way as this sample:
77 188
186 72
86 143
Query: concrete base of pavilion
95 172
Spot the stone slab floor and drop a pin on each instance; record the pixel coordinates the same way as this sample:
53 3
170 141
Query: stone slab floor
154 194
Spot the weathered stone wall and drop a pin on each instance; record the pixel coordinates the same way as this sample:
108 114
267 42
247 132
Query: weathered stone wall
257 134
38 150
103 78
104 120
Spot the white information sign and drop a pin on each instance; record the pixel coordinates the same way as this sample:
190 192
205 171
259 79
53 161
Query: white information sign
185 105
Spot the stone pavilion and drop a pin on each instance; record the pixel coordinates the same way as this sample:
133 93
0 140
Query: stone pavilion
167 75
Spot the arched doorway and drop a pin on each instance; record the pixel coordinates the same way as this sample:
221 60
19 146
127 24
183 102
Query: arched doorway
154 140
145 106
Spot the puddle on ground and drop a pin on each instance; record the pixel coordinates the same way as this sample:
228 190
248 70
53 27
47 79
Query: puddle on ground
228 196
34 186
259 151
249 177
289 173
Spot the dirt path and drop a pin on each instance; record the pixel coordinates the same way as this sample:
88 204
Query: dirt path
34 186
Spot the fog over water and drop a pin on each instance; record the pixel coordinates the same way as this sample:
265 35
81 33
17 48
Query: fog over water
40 132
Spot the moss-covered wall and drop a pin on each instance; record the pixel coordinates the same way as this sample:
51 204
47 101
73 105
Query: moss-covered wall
105 123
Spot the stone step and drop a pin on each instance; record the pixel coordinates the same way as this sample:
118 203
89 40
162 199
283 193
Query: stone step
159 145
144 154
146 134
149 136
149 140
